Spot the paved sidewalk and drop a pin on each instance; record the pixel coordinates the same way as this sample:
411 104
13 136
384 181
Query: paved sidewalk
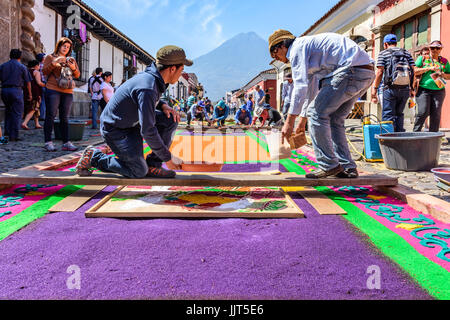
422 181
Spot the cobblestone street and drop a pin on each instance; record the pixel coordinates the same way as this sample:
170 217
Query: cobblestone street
30 149
422 181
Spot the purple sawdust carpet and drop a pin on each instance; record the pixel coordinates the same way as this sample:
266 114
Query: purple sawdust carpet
320 257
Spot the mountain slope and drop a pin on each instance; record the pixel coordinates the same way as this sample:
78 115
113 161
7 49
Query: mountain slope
231 65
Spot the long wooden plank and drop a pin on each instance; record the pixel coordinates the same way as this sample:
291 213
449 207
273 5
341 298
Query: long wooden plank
77 199
419 201
253 180
320 202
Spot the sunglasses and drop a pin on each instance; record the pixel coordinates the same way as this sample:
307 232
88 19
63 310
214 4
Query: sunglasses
435 48
274 49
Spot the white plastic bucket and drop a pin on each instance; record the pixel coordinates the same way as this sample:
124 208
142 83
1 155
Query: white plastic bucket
277 149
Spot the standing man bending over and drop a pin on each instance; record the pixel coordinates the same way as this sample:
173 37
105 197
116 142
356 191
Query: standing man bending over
134 114
330 72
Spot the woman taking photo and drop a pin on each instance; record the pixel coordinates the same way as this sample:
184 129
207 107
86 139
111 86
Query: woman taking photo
60 69
431 93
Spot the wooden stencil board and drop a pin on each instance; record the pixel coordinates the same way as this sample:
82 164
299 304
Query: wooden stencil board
320 202
183 202
77 199
198 180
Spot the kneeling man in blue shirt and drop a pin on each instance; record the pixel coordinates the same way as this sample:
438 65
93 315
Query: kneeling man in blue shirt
134 114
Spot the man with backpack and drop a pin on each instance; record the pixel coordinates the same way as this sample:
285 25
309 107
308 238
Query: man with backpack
94 84
395 67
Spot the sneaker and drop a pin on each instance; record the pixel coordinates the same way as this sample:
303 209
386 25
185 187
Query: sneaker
350 173
50 147
68 146
3 140
160 173
318 174
84 164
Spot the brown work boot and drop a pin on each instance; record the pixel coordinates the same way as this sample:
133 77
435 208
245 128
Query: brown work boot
350 173
319 173
160 173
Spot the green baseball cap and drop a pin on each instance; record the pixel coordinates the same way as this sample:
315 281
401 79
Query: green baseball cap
172 55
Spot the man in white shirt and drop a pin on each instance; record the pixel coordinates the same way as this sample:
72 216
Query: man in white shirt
288 86
330 72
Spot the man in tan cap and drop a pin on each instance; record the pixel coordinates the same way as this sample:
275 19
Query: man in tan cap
330 72
134 114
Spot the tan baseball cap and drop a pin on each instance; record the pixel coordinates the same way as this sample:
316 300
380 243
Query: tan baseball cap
279 36
172 55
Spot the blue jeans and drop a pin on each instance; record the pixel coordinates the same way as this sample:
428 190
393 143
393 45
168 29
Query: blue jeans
54 101
95 104
327 114
394 103
127 145
13 99
42 107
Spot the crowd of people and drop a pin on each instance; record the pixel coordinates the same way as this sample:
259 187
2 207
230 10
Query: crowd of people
330 73
399 78
44 88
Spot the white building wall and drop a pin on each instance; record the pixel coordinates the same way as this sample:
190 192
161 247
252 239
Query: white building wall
44 23
118 66
93 53
106 56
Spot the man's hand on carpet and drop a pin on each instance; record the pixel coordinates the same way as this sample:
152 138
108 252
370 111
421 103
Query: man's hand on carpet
175 163
169 111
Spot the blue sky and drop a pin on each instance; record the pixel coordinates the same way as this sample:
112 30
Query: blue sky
199 26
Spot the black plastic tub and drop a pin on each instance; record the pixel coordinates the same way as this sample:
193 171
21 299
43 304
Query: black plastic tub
411 151
76 130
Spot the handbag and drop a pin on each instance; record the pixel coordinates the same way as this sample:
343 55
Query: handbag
65 80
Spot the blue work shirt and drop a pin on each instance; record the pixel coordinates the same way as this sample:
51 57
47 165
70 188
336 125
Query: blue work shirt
240 116
221 114
14 74
249 106
314 58
134 104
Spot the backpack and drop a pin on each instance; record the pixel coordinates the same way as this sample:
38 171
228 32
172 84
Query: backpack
95 85
398 72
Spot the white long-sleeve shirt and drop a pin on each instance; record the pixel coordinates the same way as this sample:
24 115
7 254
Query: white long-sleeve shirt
314 58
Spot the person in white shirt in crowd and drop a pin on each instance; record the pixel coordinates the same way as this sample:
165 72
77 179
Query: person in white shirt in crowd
106 88
330 72
288 85
259 96
94 84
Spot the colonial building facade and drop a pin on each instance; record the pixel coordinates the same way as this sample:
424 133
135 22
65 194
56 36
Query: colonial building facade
415 22
35 26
